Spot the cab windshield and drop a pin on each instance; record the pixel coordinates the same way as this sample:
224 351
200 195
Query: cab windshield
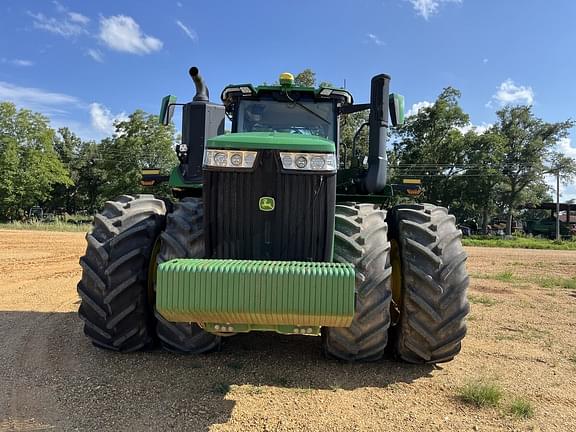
298 117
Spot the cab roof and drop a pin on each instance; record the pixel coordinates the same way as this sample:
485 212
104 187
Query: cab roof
234 91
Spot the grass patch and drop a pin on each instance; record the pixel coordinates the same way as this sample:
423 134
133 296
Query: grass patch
541 281
254 390
506 276
521 242
481 394
556 282
484 300
303 390
45 226
221 388
521 408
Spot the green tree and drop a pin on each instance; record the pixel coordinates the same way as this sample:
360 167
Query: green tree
306 78
483 175
9 167
27 136
67 146
528 143
91 177
350 124
140 142
430 145
562 164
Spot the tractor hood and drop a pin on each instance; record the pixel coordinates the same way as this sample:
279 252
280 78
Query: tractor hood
272 141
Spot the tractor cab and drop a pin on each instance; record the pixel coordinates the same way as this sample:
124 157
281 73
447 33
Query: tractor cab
285 108
275 117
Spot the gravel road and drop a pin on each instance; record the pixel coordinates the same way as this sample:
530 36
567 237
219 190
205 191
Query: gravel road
51 378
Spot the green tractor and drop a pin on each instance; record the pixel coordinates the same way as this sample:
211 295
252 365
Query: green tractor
270 231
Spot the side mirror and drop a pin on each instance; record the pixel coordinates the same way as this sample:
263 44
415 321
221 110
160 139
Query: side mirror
396 104
167 109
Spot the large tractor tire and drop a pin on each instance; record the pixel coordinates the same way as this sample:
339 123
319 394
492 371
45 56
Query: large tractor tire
114 286
430 292
184 238
361 239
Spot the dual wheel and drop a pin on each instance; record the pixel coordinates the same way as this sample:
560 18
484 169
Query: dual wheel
129 238
412 288
411 284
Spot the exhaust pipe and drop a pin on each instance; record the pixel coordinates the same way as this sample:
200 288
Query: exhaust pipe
202 94
375 179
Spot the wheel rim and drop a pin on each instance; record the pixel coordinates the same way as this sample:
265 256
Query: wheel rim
152 270
396 262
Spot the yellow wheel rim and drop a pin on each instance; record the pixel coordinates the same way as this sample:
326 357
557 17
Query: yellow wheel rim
152 267
396 263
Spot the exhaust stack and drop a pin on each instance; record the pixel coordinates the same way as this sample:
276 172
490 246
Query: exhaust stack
202 94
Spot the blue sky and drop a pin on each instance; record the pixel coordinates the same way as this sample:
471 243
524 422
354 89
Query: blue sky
85 64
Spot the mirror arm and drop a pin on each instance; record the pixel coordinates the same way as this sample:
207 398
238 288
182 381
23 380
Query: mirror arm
349 109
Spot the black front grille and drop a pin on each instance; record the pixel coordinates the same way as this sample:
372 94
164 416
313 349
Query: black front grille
300 228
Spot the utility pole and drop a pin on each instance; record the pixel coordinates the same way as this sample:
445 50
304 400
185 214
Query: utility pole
558 204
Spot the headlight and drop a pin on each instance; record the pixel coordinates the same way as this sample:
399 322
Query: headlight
308 161
301 162
236 159
220 159
229 158
287 161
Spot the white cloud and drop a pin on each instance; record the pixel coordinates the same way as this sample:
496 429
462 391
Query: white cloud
189 32
375 39
479 129
61 26
59 6
103 120
567 192
122 33
36 99
565 147
427 8
96 55
510 93
17 62
78 18
59 106
417 107
20 62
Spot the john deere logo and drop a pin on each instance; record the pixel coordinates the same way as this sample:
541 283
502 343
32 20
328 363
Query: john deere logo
266 204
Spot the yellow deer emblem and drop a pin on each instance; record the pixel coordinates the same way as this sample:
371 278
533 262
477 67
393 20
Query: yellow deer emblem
266 204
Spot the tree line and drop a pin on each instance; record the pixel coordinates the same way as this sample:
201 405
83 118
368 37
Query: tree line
479 174
476 173
56 170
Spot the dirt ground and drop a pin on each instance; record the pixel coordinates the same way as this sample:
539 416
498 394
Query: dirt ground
521 336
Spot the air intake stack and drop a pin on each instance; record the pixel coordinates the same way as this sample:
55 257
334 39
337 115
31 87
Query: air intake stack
200 120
